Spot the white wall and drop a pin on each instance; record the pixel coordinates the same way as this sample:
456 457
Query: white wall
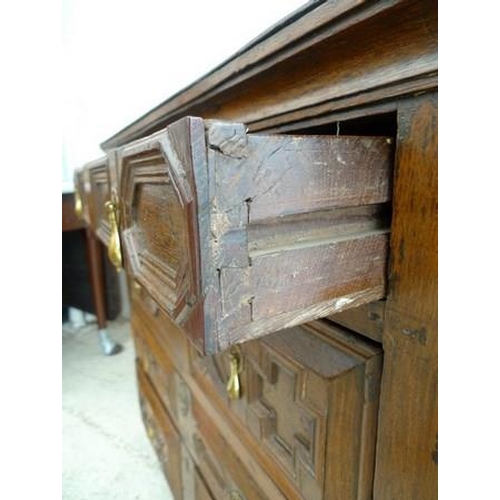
121 58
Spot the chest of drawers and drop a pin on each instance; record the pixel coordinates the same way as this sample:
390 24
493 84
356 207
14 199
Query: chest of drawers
277 221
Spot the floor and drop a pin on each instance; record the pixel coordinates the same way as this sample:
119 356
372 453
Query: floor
106 454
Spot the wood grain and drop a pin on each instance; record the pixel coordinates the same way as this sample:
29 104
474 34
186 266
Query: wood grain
204 442
367 319
162 433
287 374
223 468
159 229
373 102
284 381
262 194
168 337
194 486
407 450
238 235
156 366
339 269
350 452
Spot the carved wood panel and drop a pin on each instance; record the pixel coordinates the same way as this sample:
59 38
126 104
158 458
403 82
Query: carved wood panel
192 460
223 470
167 338
281 419
158 231
285 410
407 449
291 384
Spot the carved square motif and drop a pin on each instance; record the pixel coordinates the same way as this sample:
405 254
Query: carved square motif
281 419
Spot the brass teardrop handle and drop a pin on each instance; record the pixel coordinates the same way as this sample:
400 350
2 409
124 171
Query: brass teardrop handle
233 384
150 431
114 248
78 204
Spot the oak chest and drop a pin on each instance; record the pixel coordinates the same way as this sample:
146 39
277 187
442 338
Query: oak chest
277 222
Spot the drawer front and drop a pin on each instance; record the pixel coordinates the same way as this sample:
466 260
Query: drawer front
162 434
238 235
157 367
100 187
292 384
83 193
226 473
300 389
159 228
211 468
157 329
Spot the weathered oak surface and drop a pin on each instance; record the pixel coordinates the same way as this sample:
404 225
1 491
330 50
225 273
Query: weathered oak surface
368 319
408 421
238 235
283 413
165 438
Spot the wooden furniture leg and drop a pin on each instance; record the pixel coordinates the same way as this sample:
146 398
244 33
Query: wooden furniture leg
108 346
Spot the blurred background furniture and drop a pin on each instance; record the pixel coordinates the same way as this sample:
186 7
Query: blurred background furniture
89 283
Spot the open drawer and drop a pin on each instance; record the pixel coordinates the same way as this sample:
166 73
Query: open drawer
237 235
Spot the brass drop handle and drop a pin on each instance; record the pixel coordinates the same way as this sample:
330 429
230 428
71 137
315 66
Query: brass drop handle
114 248
233 385
150 431
78 204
